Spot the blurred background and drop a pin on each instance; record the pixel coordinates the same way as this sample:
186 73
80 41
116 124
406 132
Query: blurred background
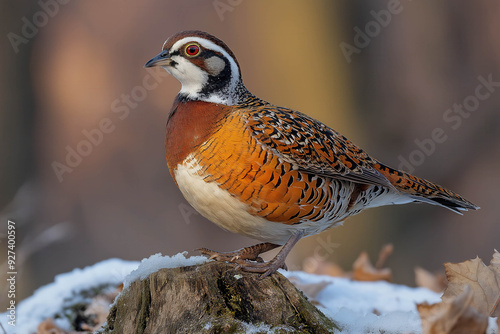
83 173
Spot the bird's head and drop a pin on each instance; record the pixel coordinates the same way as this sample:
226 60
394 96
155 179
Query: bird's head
204 65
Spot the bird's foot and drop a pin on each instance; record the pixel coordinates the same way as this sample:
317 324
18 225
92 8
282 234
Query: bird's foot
248 259
266 268
240 256
231 257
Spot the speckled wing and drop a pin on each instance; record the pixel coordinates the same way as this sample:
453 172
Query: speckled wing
311 146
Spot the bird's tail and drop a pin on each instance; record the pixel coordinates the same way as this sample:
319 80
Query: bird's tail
425 191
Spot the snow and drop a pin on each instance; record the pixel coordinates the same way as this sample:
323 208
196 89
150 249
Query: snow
157 261
358 307
50 299
369 307
259 328
263 328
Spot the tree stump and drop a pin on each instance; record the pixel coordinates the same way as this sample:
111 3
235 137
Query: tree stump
214 297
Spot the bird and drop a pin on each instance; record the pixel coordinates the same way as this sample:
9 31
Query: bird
265 171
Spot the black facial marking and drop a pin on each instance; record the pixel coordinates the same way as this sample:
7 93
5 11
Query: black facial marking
209 54
218 83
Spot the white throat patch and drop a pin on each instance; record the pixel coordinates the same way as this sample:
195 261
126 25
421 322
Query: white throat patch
193 78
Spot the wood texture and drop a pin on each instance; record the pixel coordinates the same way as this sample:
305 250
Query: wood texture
213 298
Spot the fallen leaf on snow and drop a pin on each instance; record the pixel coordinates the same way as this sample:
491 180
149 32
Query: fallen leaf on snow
456 315
484 282
426 279
363 270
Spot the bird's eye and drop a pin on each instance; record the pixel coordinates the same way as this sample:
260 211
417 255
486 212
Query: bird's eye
192 50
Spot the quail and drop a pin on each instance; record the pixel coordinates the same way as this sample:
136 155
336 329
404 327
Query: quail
264 171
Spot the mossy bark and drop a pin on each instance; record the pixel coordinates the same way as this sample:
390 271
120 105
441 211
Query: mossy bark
214 298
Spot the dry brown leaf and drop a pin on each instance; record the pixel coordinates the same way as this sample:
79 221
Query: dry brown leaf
495 262
98 311
456 315
383 255
426 279
322 267
363 270
484 282
49 327
311 290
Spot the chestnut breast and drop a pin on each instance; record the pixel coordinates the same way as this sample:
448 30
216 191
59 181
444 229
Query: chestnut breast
189 125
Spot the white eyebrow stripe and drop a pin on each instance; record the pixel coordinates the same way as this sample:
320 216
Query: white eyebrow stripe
203 42
235 73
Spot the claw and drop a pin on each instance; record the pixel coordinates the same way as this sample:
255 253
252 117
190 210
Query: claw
248 259
266 274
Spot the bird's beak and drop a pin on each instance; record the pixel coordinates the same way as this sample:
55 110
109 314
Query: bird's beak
162 59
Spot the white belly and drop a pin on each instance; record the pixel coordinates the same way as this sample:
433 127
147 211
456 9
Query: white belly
225 210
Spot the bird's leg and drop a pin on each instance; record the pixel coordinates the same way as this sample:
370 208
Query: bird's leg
252 253
241 255
268 268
